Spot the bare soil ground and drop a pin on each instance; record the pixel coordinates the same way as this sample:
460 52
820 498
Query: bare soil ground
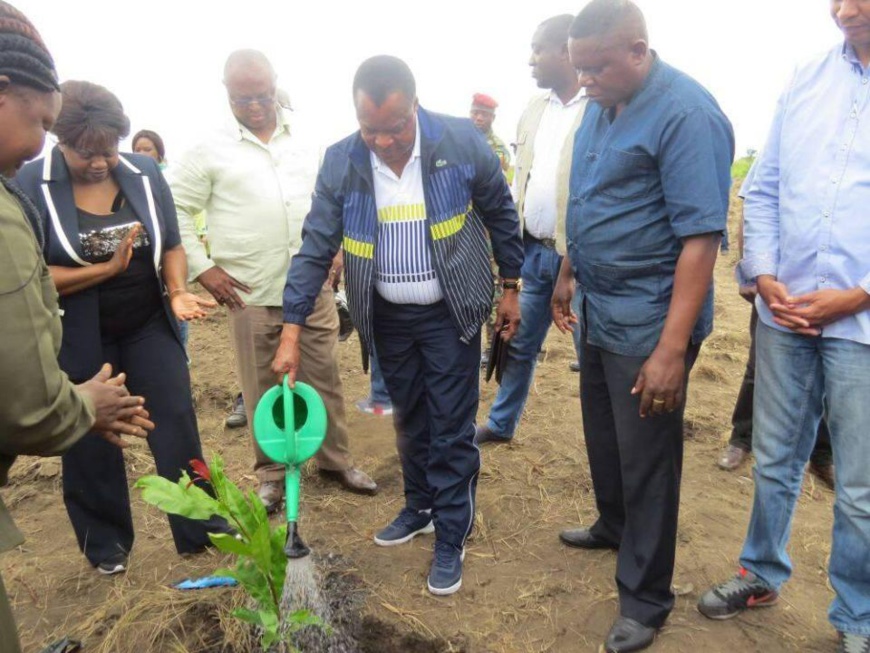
522 592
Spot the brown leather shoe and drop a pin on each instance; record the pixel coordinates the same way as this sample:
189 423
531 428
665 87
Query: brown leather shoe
824 472
271 493
353 479
732 458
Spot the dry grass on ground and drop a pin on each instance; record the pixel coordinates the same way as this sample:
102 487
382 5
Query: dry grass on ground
522 591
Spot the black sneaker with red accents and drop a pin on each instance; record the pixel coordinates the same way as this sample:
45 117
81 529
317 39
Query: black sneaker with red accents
851 643
744 591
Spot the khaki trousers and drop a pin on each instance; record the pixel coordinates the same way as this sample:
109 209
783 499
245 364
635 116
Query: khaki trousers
8 633
255 333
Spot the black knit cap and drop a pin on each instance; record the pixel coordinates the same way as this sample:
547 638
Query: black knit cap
23 55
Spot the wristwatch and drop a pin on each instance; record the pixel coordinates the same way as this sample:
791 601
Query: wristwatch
512 284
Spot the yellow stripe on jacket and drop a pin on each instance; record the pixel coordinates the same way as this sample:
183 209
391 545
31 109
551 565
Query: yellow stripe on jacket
450 226
358 248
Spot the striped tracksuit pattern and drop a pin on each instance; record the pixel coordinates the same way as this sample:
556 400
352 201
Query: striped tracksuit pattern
404 273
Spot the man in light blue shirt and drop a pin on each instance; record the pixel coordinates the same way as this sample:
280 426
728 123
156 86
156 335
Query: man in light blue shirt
740 445
807 246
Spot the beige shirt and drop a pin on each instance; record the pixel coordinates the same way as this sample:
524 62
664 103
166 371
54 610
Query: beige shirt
255 195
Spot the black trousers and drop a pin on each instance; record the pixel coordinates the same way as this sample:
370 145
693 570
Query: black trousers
94 479
636 465
741 419
433 381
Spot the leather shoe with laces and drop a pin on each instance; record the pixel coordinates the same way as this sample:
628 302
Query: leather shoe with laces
582 538
628 635
484 435
353 479
239 416
732 458
271 493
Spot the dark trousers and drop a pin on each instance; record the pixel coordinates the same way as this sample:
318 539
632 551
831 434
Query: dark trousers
433 381
94 479
8 633
636 465
741 419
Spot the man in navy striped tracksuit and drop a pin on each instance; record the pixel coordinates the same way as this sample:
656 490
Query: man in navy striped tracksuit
411 197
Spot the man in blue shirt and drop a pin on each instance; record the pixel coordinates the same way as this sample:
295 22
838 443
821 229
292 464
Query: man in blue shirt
807 247
648 206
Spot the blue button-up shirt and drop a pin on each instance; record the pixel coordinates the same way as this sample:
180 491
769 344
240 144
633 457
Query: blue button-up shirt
640 183
807 212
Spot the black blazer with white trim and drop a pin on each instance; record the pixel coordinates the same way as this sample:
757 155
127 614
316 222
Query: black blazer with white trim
47 182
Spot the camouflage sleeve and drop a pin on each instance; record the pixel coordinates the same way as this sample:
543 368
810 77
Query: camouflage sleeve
503 152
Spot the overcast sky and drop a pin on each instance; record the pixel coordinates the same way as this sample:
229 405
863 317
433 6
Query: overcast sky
164 58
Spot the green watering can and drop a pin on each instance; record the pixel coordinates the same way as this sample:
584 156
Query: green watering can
289 426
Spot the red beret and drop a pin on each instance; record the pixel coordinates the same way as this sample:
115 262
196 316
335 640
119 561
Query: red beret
485 101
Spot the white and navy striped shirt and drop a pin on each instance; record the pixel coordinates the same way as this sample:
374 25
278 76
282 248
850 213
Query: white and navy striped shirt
404 273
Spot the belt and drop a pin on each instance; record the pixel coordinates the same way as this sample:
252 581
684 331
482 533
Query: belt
549 243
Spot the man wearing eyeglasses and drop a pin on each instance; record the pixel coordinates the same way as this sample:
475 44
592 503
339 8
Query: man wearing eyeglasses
254 179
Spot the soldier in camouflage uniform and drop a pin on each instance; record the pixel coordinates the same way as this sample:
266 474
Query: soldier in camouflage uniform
482 114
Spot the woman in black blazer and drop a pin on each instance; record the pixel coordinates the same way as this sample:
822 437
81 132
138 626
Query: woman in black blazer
114 251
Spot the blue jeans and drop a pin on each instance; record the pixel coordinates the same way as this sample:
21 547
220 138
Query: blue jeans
539 273
184 328
379 393
793 375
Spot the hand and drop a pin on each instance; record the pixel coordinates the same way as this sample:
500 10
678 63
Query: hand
336 269
116 411
660 382
775 295
563 296
142 421
822 307
120 260
748 292
187 306
286 359
223 287
507 315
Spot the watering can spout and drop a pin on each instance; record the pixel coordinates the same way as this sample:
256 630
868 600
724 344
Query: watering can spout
295 547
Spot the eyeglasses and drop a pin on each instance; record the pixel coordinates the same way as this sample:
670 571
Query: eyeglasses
245 102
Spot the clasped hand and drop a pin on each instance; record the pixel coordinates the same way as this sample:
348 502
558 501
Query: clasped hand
807 314
116 411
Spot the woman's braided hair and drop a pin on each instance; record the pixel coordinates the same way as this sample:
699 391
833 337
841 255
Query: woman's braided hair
25 60
23 55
